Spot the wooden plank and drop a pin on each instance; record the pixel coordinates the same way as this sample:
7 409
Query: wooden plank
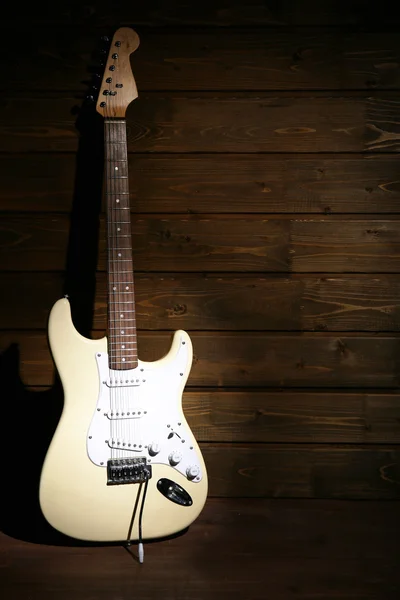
276 416
229 243
204 122
317 59
213 184
260 416
316 360
326 246
291 545
283 471
40 243
217 13
215 302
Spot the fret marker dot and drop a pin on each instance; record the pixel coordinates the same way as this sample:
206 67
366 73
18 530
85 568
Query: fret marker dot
116 168
117 200
123 360
118 228
119 254
122 316
114 288
122 332
123 346
127 287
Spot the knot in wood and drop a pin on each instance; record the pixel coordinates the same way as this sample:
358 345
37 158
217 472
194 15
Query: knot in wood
180 309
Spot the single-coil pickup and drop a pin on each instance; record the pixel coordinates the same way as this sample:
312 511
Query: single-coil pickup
121 383
126 444
127 413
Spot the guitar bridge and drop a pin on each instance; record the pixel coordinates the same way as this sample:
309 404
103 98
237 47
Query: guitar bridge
128 470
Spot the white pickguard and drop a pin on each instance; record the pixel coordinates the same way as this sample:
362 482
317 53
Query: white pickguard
139 411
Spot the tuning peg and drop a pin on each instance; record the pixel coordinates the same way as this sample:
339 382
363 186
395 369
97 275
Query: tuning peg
90 98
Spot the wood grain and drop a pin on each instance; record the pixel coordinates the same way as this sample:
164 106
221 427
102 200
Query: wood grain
286 416
207 122
218 302
301 417
224 59
291 544
298 471
229 243
251 360
215 184
294 390
209 13
128 41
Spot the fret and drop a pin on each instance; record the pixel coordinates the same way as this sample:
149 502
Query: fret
123 321
133 353
131 363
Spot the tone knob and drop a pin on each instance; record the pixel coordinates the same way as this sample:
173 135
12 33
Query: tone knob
192 472
174 458
154 448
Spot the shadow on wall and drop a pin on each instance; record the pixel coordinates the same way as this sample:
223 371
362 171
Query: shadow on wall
29 417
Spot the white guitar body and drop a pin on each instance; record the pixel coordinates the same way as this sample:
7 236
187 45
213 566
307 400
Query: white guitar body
95 427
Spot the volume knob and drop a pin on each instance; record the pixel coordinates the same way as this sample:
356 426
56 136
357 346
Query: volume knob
154 448
174 458
192 472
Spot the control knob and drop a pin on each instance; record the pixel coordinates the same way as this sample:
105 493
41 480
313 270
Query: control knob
192 471
154 448
174 458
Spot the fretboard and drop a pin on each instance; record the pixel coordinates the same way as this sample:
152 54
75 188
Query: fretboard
122 340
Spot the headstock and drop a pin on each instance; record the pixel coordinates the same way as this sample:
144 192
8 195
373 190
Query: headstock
118 87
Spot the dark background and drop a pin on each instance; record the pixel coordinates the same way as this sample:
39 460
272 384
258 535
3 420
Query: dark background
265 206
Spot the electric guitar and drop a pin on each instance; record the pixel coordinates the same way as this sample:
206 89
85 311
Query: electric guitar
123 463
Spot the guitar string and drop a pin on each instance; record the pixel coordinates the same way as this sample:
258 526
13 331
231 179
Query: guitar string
110 274
113 432
119 395
122 398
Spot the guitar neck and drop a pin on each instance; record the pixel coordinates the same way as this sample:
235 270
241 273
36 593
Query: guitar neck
122 338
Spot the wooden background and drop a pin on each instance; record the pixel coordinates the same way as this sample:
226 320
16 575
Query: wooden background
266 216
